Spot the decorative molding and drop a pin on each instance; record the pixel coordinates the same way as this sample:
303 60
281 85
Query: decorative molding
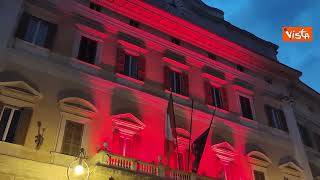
215 81
91 31
242 90
175 63
74 106
132 49
127 124
291 168
259 159
224 151
20 90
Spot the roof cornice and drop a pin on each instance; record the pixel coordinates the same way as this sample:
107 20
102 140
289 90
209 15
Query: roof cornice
170 24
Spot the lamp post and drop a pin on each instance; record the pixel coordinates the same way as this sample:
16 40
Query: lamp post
79 169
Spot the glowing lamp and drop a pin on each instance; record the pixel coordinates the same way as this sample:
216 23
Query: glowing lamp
78 169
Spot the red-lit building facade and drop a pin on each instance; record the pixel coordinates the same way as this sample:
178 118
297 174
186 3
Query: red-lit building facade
98 74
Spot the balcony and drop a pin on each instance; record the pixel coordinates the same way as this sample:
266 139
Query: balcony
112 166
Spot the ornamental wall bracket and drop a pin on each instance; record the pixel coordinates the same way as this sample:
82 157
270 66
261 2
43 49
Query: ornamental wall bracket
39 138
287 99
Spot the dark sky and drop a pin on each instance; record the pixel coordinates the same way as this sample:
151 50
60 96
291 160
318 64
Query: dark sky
265 18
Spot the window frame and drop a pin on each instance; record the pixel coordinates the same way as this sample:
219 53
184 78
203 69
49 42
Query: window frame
84 31
63 135
251 101
75 118
130 69
13 108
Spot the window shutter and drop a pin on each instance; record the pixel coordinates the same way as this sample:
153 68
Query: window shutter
52 30
141 68
283 121
185 84
224 97
1 107
166 78
208 93
268 112
23 25
23 126
120 61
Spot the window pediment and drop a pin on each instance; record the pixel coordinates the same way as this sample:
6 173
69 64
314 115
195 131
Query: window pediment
127 124
258 158
78 106
224 151
132 49
20 90
291 168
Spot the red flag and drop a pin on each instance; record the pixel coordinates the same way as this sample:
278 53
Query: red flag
170 136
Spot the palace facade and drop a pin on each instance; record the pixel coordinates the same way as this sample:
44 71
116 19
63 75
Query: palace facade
98 74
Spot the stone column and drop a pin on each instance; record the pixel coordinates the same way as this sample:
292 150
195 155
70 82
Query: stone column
299 152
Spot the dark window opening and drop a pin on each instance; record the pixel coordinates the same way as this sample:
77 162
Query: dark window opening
87 50
36 31
131 66
175 41
276 118
258 175
217 97
134 23
305 136
240 68
9 123
246 107
212 56
175 80
95 7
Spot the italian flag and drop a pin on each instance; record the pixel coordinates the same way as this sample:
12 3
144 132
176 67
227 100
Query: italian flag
170 136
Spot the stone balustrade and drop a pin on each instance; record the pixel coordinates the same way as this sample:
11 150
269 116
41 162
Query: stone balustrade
119 162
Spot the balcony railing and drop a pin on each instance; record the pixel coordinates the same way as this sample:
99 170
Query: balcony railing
130 164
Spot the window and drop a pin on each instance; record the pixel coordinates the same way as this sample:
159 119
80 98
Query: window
240 68
258 175
36 31
14 124
306 139
212 56
95 7
276 118
317 140
216 96
87 50
246 107
72 138
129 65
134 23
175 41
176 82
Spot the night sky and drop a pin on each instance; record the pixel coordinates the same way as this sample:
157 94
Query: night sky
266 18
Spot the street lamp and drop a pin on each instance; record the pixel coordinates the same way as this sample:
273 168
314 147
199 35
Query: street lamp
79 169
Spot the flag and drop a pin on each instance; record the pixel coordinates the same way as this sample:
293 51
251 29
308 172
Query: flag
170 136
198 147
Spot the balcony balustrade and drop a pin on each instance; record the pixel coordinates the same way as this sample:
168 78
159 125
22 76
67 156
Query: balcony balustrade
110 160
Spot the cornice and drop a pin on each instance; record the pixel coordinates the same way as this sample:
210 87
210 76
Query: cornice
200 37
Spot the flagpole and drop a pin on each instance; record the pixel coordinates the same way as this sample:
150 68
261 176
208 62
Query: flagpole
175 130
190 131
